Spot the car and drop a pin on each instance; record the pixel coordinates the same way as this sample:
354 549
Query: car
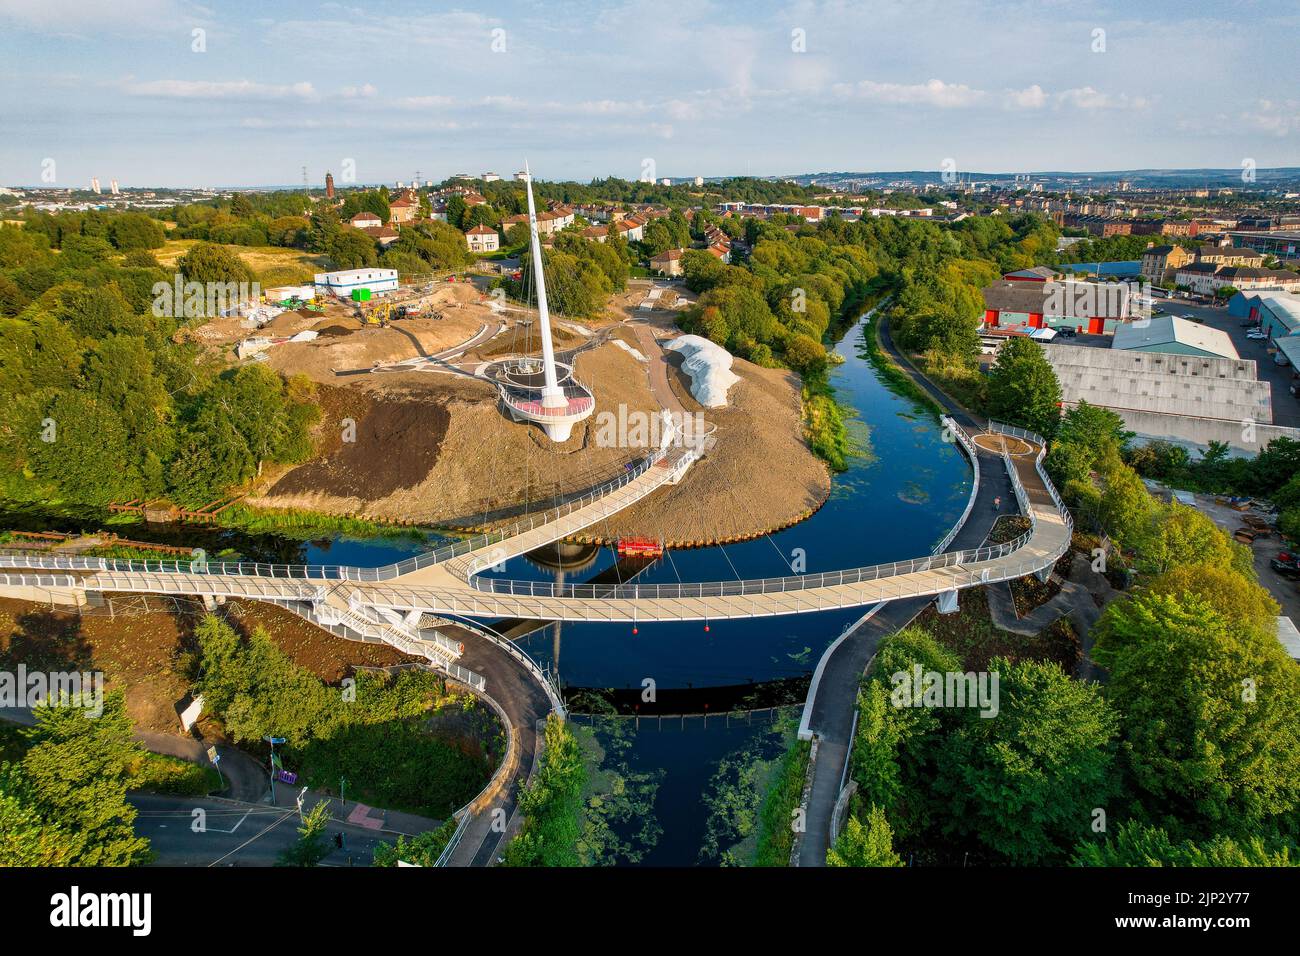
1287 570
1257 335
1066 333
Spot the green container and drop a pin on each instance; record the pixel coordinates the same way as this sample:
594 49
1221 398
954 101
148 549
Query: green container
360 295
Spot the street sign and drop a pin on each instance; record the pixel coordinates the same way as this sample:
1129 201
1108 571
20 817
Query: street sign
286 776
213 756
274 740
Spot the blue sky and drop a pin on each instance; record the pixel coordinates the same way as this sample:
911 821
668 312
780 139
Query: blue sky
117 89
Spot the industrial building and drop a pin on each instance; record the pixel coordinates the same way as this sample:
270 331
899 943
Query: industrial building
1096 307
1174 336
1184 399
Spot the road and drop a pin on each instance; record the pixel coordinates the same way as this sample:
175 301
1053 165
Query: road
233 833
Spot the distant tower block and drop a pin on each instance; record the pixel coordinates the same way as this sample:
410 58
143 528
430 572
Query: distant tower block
329 185
112 186
94 185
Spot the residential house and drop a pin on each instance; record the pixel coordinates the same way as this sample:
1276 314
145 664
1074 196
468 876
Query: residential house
1159 260
668 263
366 220
482 238
403 210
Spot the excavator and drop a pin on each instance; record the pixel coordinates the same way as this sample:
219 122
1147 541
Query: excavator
379 315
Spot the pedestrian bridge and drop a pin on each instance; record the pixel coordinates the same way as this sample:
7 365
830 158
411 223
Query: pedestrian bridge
390 603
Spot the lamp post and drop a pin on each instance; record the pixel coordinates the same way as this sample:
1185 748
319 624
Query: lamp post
273 741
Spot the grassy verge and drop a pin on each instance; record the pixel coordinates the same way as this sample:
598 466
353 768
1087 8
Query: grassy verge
552 804
149 772
775 833
307 524
159 773
894 377
824 423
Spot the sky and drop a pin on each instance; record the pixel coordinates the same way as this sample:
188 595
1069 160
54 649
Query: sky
174 93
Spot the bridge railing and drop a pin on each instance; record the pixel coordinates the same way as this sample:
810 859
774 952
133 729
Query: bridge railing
971 454
331 572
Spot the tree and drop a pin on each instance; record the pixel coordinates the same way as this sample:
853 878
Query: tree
805 354
1023 388
74 776
1025 782
25 838
869 844
1137 844
353 249
1210 705
135 230
311 847
88 455
1099 430
456 208
207 262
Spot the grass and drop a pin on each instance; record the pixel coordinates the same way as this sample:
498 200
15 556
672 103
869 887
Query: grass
825 424
784 794
306 524
159 773
894 377
272 265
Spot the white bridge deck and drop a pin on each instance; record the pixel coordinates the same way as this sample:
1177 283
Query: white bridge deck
447 581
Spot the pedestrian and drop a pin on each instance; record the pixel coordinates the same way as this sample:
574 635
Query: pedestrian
997 503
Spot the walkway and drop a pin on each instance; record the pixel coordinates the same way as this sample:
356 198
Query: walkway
832 702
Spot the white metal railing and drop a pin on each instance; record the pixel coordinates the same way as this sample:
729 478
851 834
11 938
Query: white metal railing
329 572
974 459
523 657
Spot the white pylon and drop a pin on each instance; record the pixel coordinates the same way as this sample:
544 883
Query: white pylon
552 394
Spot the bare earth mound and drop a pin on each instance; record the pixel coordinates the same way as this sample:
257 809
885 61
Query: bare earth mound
437 449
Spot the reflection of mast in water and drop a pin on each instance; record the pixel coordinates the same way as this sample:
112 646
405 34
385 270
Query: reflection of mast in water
555 640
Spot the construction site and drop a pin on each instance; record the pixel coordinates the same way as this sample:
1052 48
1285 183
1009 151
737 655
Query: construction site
414 430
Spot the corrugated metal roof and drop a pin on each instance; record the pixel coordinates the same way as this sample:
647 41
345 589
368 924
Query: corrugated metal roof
1170 330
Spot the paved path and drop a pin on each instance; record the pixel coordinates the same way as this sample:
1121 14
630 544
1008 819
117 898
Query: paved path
836 693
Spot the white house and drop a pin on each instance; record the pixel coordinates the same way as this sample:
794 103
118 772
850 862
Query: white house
482 239
366 220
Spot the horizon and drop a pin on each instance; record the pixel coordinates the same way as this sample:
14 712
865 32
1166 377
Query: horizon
169 94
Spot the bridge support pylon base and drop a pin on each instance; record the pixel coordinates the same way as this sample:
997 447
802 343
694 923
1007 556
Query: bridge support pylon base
946 602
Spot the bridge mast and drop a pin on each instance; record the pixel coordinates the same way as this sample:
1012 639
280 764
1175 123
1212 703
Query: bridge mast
552 394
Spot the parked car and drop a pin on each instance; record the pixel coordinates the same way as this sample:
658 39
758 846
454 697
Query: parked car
1257 334
1066 333
1284 568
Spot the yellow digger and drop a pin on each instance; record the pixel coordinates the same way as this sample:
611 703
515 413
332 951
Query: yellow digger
379 315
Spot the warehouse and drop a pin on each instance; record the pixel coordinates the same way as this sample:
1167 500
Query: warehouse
1096 307
1174 336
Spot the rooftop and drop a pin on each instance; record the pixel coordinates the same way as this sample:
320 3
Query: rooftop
1166 330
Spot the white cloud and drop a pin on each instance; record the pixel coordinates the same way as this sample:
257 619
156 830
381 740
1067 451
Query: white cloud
1271 116
364 91
220 90
90 18
1087 98
1030 98
931 93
